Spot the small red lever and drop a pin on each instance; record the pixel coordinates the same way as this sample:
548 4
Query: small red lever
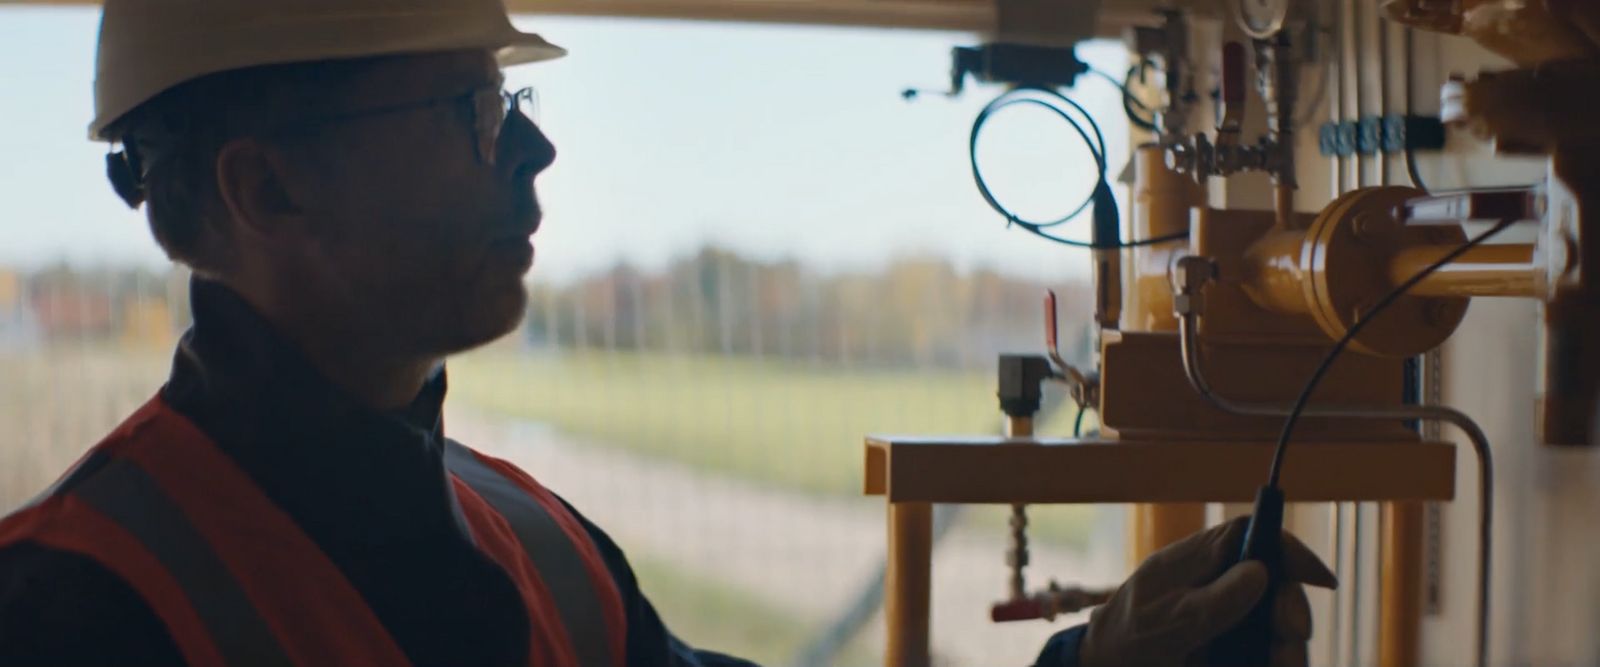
1050 321
1016 610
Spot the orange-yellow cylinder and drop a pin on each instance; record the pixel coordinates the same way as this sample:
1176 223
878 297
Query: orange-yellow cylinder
1153 526
1400 612
1488 270
908 585
1163 199
1274 278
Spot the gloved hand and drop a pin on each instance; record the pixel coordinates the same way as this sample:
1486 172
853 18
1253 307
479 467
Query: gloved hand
1186 595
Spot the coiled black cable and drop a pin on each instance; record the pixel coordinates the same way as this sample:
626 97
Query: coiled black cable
1139 114
1100 198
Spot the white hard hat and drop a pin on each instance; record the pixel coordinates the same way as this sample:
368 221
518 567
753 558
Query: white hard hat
150 46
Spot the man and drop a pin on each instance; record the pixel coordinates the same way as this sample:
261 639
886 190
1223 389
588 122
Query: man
354 193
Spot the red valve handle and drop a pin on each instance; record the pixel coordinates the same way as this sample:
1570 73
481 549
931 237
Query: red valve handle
1050 320
1016 610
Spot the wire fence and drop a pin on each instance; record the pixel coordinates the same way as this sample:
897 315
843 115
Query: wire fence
710 415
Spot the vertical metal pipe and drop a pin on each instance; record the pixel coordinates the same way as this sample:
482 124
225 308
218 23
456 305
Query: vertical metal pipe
1383 94
1350 79
1350 64
1399 635
1157 525
1335 618
908 585
1163 199
1357 580
1335 62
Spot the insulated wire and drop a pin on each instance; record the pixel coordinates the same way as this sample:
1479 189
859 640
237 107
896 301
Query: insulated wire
1097 148
1344 341
1131 106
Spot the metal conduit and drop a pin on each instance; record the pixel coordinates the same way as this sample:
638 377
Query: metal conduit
1190 348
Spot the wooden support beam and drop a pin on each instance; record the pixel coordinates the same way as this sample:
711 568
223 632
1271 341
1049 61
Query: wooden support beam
908 585
995 470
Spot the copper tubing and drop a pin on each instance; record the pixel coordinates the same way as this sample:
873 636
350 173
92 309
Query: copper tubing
1486 270
1284 202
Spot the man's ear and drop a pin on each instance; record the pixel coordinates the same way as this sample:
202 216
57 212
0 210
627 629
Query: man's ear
253 183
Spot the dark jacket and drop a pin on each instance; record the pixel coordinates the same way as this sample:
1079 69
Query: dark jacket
327 462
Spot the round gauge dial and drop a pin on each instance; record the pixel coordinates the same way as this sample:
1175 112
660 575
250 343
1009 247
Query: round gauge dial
1261 18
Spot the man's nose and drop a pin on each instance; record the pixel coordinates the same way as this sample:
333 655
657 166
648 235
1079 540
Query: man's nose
523 147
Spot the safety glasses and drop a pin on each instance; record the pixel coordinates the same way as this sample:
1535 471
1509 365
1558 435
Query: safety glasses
491 108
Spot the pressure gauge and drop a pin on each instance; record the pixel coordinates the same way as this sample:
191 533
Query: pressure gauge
1261 19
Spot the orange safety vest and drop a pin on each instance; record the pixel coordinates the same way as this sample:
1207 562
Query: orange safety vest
237 582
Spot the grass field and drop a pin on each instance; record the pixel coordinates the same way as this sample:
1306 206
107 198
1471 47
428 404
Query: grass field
713 615
59 400
795 426
791 425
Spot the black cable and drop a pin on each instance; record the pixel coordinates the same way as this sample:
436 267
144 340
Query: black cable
1098 198
1131 106
1011 98
1077 422
1344 341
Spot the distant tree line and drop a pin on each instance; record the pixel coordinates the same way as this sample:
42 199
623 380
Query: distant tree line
63 302
920 312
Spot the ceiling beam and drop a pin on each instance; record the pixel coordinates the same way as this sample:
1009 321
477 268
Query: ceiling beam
958 15
962 15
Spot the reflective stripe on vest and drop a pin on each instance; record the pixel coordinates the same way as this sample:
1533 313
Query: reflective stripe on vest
125 494
237 582
566 573
232 577
315 613
66 523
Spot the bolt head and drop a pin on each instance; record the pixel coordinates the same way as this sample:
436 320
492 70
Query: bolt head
1372 226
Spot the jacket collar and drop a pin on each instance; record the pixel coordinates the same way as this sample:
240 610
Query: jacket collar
317 451
231 353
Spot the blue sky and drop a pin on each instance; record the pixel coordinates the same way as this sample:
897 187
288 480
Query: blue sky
777 141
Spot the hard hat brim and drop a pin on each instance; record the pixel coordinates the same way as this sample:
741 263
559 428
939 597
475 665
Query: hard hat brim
510 46
525 47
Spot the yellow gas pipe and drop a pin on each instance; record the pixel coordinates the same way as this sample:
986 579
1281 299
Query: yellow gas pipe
1163 199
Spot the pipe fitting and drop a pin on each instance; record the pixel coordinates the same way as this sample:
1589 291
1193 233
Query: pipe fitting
1191 273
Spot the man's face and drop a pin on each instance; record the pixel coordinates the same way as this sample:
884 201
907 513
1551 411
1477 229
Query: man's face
414 237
